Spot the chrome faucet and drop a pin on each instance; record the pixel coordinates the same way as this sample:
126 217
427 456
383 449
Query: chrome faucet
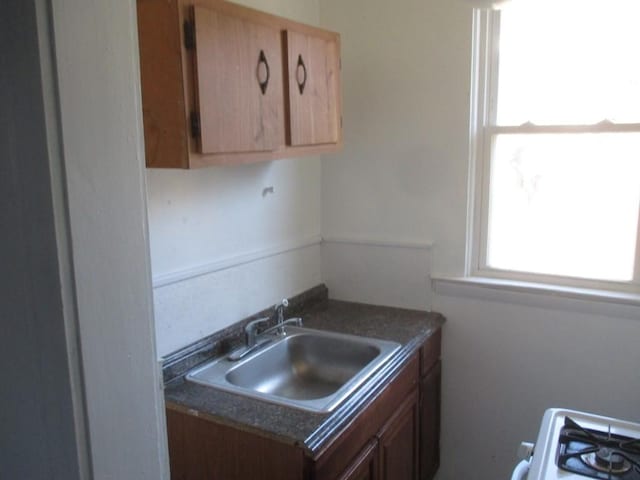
254 340
251 330
280 315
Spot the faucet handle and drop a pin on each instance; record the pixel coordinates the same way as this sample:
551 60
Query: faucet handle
251 328
253 324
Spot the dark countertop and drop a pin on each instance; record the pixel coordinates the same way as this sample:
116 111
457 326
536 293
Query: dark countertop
312 431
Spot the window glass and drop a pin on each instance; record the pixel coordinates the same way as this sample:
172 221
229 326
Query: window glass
569 62
565 204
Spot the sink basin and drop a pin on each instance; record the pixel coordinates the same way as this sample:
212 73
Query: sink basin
309 369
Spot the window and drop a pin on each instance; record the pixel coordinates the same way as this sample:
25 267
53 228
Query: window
557 143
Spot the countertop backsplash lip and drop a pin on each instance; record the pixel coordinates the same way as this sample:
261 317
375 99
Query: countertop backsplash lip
310 431
177 364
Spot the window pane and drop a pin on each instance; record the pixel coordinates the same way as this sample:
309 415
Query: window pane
565 204
569 62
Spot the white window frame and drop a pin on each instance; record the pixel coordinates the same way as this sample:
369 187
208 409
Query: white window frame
483 128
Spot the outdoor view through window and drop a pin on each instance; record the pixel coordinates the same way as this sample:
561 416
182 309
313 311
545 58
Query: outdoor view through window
562 139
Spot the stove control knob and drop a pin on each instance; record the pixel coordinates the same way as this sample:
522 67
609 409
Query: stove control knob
525 451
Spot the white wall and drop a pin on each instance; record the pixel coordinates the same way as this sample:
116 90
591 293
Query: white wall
378 272
402 175
403 178
206 224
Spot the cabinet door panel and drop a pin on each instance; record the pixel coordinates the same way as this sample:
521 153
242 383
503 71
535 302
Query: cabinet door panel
399 443
313 65
233 57
430 423
365 466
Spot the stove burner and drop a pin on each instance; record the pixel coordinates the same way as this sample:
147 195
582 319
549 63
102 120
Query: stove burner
606 460
596 454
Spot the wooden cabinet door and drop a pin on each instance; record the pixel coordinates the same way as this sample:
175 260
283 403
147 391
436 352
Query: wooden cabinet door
430 423
313 66
398 442
365 466
239 90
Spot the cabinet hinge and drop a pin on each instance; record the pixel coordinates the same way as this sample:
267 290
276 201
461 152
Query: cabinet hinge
195 124
189 35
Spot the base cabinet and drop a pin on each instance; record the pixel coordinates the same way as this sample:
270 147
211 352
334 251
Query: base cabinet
395 438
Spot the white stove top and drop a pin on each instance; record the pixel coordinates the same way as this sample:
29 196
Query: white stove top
543 463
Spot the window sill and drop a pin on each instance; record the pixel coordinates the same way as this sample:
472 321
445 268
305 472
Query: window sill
539 294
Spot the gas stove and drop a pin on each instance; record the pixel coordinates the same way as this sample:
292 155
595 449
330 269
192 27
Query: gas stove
574 445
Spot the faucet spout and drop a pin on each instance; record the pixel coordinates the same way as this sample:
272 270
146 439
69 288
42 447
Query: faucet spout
279 314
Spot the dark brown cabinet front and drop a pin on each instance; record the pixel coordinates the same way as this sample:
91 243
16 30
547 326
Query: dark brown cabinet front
430 379
398 442
365 466
430 422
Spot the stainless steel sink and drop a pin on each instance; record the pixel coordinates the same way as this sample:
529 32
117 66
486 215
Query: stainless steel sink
309 369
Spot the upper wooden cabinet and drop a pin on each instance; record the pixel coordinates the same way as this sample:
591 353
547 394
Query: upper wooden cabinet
225 84
314 71
241 104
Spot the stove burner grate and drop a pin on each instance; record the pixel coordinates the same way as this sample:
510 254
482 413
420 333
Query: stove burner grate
596 454
606 460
